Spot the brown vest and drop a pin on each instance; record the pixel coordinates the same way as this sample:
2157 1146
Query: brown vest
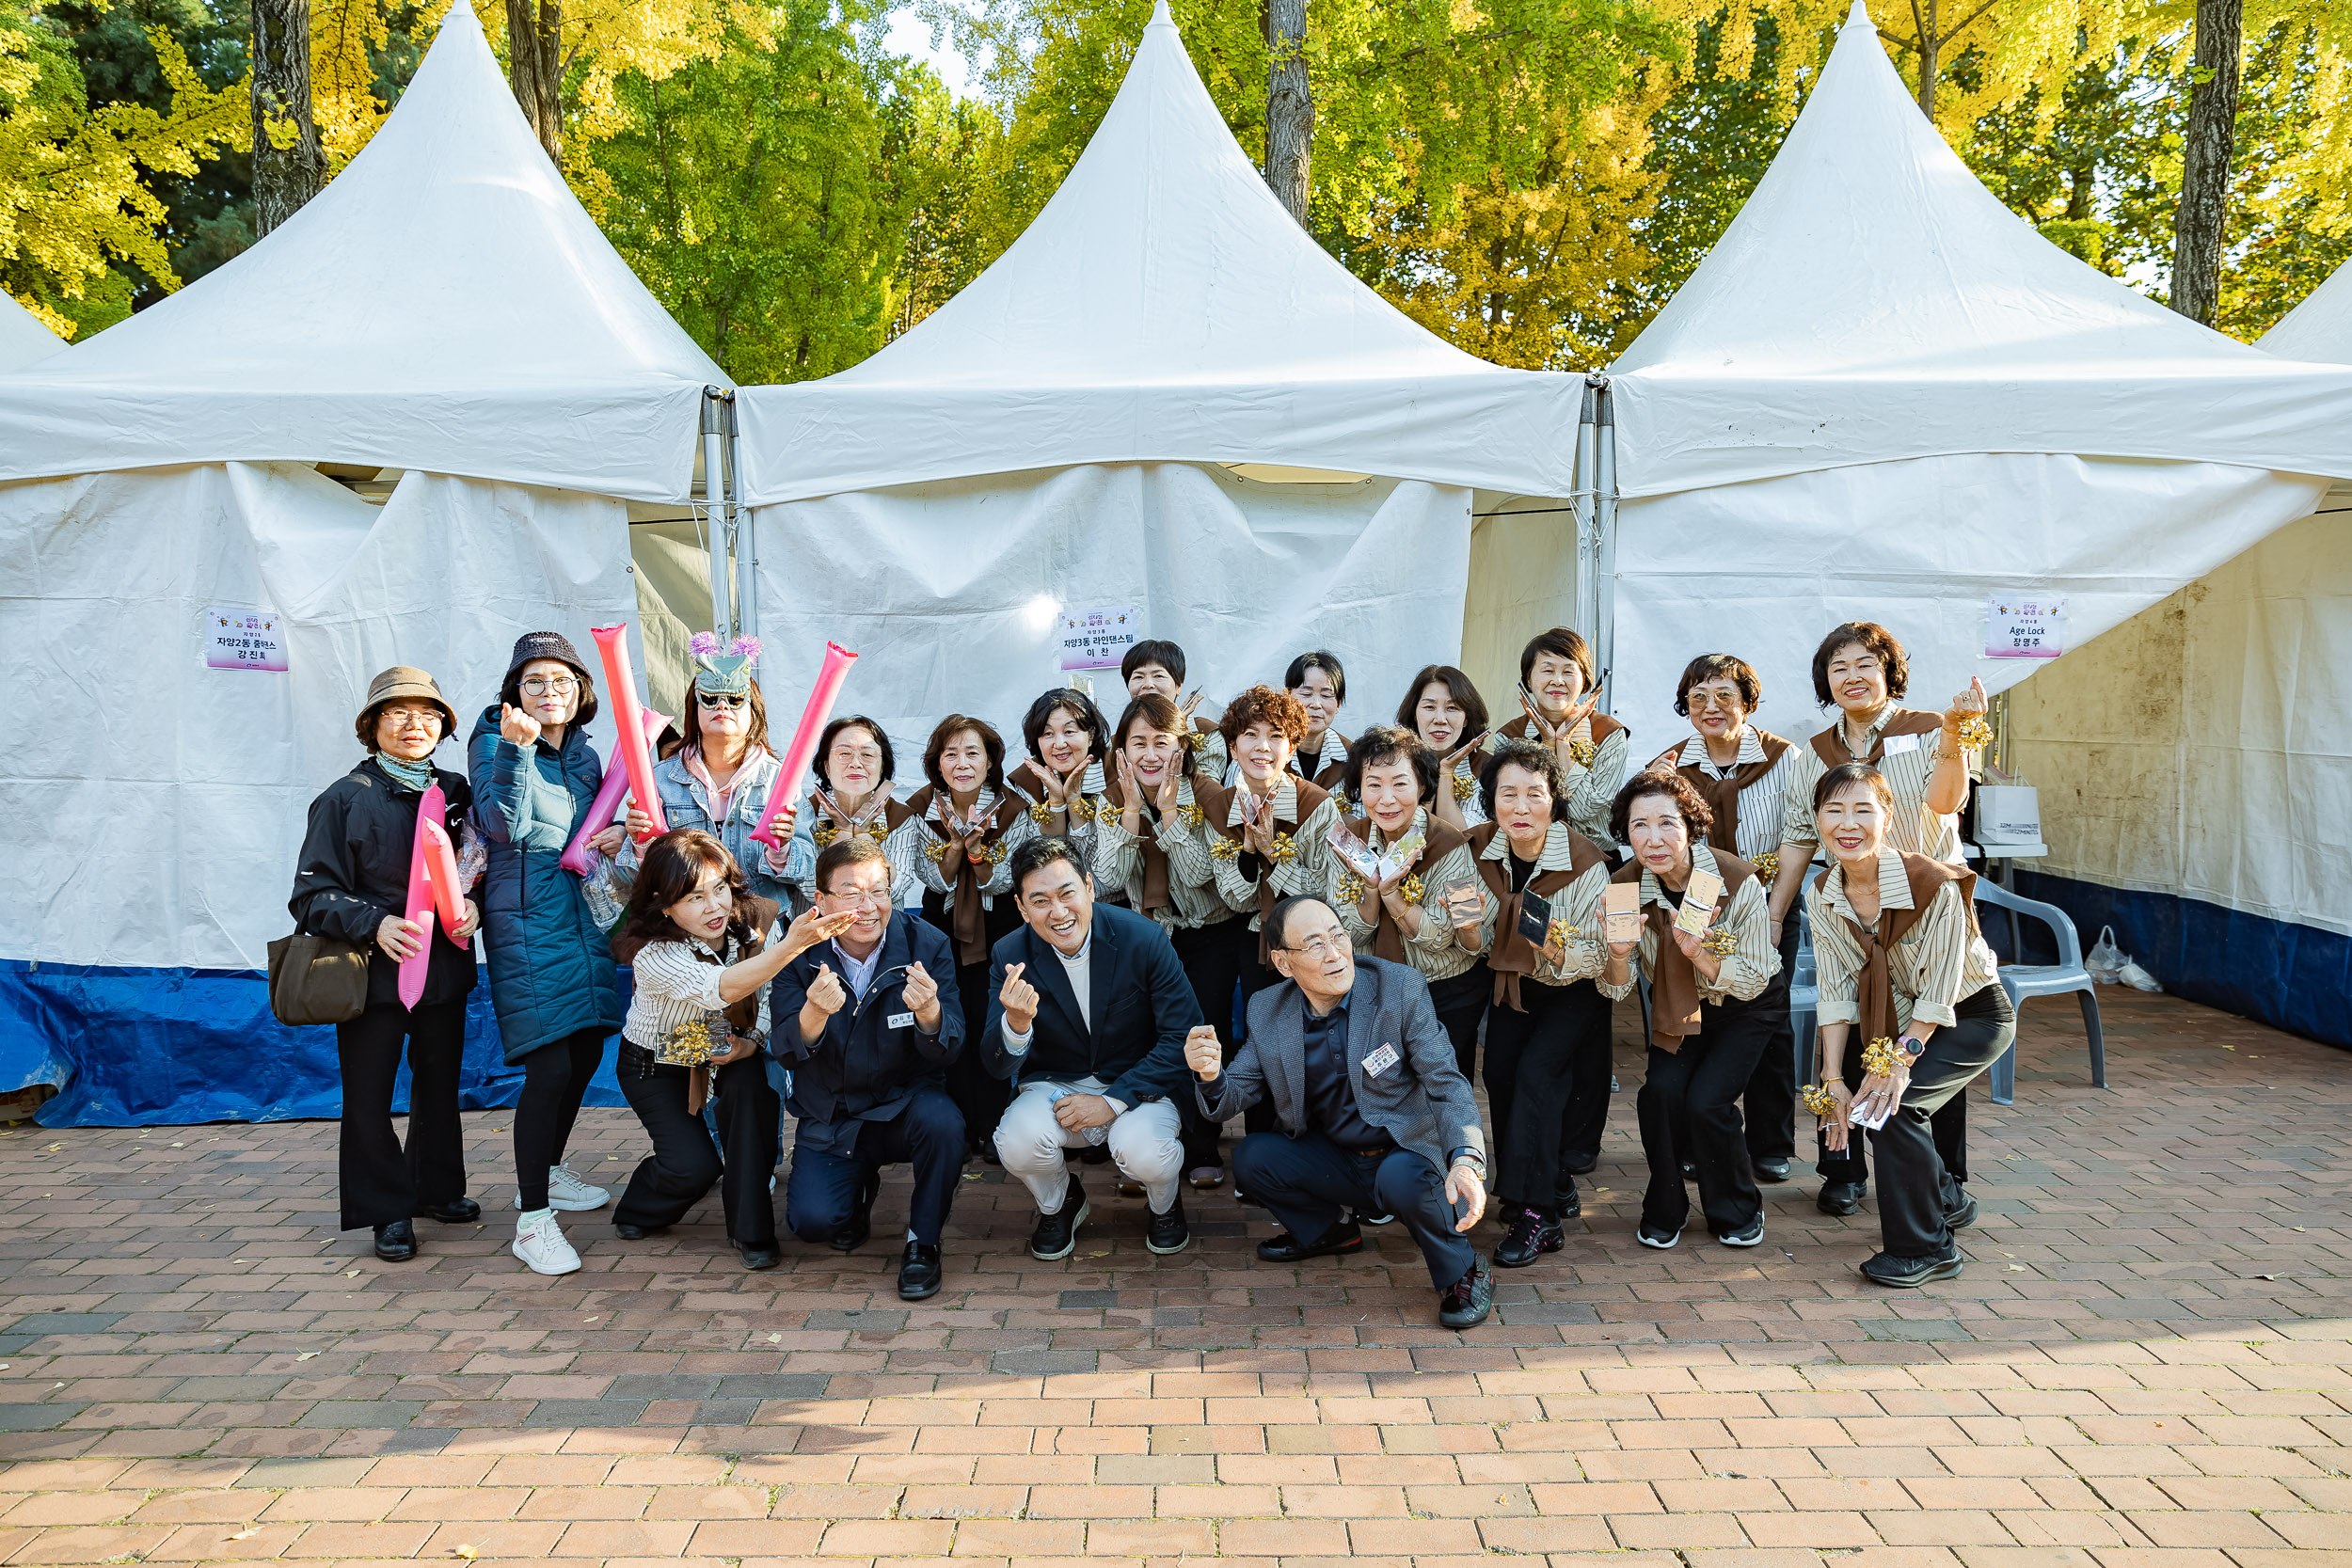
1216 805
1028 781
1155 894
968 920
1874 990
1830 744
1441 840
1723 795
1673 982
879 823
1523 728
1511 954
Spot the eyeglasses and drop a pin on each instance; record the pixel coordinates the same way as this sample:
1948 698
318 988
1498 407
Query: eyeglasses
413 718
1315 949
858 900
539 686
709 700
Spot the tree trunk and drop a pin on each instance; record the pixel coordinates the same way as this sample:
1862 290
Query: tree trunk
1931 48
1290 109
283 177
2201 223
534 63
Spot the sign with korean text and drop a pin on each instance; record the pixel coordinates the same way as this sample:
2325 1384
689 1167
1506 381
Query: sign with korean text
243 640
1098 639
2023 627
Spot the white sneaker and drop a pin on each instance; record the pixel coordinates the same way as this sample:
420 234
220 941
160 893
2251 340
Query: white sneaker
539 1243
569 1192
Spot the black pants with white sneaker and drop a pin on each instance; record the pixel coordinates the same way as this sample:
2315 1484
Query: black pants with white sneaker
1916 1189
684 1165
1547 1085
1690 1110
1306 1180
1948 1127
381 1180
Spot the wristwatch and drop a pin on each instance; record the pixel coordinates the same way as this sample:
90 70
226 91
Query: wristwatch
1912 1046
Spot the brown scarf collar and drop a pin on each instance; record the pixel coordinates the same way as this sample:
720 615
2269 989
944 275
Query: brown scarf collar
1598 728
1874 990
1723 795
1028 782
1511 954
1216 805
1830 744
879 819
1440 839
1155 894
968 920
1674 983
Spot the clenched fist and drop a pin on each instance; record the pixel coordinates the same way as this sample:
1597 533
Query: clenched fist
826 993
1020 1000
922 998
1204 1054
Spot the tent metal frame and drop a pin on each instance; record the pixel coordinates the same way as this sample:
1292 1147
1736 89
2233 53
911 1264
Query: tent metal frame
1594 500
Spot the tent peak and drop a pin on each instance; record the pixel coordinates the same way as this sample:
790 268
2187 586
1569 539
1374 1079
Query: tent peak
1160 17
1860 16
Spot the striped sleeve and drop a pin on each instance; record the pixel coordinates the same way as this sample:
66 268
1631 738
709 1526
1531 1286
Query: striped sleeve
1436 927
1751 965
1837 960
1939 944
904 848
1796 811
1312 841
1578 904
1592 788
669 972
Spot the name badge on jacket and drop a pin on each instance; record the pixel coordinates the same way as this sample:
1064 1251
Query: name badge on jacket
1897 744
1380 1061
901 1021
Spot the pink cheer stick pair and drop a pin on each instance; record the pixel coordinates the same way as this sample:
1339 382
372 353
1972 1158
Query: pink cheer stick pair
433 886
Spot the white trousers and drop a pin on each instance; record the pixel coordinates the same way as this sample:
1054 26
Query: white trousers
1145 1143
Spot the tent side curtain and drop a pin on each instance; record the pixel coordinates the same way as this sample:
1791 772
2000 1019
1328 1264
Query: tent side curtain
172 807
2195 781
952 594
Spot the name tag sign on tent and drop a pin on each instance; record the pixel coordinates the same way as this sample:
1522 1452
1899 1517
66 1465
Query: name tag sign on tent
243 639
1098 639
2019 627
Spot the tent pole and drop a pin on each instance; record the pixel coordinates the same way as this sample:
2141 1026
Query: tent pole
743 534
1605 518
715 514
1581 503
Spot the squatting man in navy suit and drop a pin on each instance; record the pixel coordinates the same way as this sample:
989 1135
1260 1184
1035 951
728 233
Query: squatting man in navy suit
1376 1114
1087 1015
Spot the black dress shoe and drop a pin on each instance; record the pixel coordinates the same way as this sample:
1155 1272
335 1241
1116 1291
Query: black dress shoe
1905 1273
1963 1216
1771 1170
1841 1197
396 1243
638 1232
1531 1235
757 1257
918 1273
1578 1164
1056 1234
460 1210
1286 1248
1466 1303
1167 1233
854 1230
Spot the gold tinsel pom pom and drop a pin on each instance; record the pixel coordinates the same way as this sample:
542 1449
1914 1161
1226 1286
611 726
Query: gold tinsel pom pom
1881 1058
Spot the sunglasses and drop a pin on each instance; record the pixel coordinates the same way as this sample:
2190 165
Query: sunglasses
709 700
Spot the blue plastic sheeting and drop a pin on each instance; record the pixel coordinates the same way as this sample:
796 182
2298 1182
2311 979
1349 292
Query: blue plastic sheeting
2293 978
149 1047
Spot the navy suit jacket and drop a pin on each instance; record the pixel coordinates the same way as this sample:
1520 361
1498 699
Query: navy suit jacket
862 1068
1142 1006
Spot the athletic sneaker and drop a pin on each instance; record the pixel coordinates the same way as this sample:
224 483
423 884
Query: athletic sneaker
570 1194
539 1243
1748 1234
1657 1236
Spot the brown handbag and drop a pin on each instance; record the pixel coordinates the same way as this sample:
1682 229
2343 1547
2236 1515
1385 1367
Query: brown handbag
316 979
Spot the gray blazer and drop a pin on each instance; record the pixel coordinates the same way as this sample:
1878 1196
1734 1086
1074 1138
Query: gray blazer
1424 1102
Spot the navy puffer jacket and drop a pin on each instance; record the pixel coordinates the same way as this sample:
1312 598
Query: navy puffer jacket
551 971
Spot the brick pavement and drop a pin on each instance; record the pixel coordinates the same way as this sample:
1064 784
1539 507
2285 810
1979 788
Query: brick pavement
2144 1367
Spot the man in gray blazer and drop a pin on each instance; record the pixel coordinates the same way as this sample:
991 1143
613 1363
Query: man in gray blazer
1374 1114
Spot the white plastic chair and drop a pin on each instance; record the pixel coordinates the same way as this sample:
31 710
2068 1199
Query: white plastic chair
2024 980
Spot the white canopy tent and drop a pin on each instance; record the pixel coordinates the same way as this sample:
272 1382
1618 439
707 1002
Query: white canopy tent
1885 395
1049 441
444 309
23 338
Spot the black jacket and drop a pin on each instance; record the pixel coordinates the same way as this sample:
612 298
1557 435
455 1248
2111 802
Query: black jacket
354 871
862 1068
1142 1006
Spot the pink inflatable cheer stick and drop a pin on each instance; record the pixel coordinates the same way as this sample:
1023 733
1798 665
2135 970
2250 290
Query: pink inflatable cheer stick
607 806
813 720
449 898
430 811
636 751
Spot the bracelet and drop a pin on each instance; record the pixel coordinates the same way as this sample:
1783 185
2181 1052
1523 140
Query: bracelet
1818 1100
1880 1058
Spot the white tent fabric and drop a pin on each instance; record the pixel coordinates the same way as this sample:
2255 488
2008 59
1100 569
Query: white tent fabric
444 305
2320 329
1883 396
1162 307
1873 302
172 804
950 592
23 338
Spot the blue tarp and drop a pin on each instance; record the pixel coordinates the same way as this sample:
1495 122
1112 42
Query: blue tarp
149 1047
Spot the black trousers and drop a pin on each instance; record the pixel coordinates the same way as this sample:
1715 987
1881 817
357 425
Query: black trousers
824 1190
555 1076
1772 1091
1690 1110
1916 1188
1305 1180
1461 1001
380 1181
1547 1087
684 1165
1949 1127
1211 961
979 1093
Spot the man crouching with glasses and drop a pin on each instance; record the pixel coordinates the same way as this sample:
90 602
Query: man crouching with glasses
1374 1114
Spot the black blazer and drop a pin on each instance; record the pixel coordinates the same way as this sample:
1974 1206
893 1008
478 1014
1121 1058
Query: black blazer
862 1068
1143 1008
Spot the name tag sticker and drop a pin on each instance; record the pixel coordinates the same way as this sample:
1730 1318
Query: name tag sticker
901 1021
1897 744
1380 1061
